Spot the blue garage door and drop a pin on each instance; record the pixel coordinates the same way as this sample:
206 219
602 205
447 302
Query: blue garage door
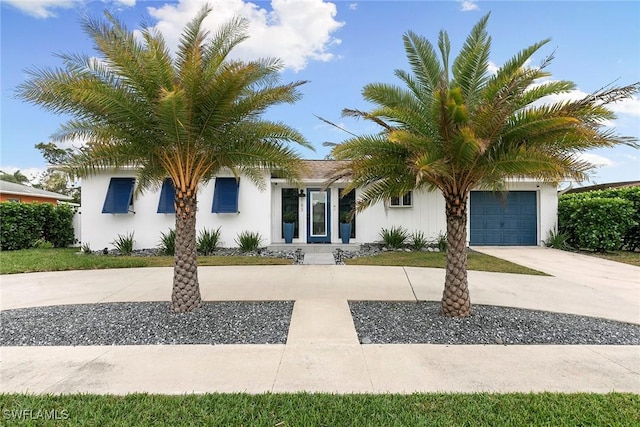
503 220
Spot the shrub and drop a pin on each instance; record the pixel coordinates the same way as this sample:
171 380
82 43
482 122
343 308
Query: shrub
248 241
24 223
208 241
441 240
42 244
167 244
86 248
557 240
595 223
345 218
418 240
631 238
395 237
59 225
289 217
124 243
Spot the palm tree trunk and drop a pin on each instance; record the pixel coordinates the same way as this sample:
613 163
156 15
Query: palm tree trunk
455 298
186 289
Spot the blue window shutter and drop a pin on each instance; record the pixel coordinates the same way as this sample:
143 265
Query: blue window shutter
119 196
167 197
225 195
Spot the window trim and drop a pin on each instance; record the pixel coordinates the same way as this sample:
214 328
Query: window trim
225 184
402 201
112 205
166 203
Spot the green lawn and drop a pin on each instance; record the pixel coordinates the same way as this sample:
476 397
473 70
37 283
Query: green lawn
302 409
31 260
476 261
632 258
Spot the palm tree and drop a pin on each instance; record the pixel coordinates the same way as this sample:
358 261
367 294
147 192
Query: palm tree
185 117
17 177
464 129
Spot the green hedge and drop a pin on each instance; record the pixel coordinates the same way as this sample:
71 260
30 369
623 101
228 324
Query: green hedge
602 220
22 224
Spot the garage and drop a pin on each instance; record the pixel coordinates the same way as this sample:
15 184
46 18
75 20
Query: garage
507 219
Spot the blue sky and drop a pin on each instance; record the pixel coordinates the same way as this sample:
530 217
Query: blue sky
338 47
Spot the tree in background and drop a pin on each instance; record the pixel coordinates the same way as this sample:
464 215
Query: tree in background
17 177
55 178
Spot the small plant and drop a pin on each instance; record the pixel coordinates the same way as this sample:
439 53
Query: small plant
345 218
124 243
441 241
248 241
208 241
418 240
167 244
557 240
289 217
395 237
86 248
42 244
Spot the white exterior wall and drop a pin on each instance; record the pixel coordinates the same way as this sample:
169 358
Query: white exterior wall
261 211
99 230
427 214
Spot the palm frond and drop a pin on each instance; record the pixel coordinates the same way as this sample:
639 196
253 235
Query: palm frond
471 66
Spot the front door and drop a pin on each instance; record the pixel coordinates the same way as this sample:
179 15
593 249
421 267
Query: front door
318 215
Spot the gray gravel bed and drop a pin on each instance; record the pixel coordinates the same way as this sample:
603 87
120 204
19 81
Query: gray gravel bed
414 323
146 323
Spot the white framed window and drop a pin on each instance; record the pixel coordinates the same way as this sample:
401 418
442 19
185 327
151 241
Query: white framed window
405 201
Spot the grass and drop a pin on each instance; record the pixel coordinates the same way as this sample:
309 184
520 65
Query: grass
475 261
303 409
632 258
32 260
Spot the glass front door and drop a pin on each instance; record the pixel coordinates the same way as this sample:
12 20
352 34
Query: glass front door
318 215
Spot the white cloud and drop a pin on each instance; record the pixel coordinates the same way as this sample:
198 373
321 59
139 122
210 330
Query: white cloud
46 8
295 31
596 159
628 106
493 68
353 6
468 5
41 8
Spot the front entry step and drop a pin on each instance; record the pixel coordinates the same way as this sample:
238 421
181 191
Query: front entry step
308 248
319 259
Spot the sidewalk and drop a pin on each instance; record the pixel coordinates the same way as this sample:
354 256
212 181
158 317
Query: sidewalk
322 351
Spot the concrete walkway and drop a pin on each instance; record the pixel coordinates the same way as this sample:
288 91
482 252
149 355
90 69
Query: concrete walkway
319 259
322 351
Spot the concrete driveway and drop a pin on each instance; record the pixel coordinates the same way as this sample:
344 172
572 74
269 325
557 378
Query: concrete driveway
323 352
599 285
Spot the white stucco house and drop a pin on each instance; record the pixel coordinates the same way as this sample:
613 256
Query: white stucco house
109 208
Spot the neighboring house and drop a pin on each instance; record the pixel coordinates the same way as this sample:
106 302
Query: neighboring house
523 216
12 192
